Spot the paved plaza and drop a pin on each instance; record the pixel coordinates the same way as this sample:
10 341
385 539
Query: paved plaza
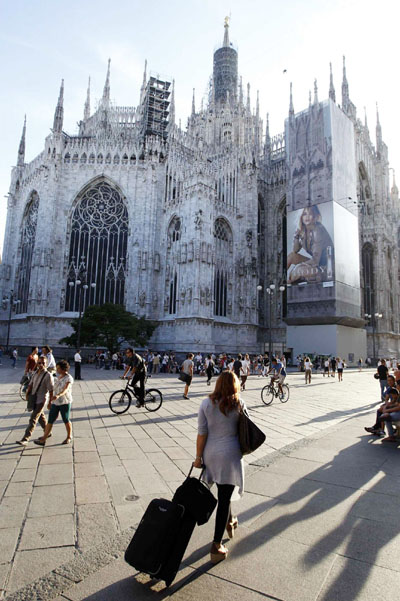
318 521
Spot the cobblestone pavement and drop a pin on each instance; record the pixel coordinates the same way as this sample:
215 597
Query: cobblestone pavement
59 503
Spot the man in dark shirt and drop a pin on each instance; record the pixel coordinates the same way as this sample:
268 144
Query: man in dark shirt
237 364
333 366
383 375
136 368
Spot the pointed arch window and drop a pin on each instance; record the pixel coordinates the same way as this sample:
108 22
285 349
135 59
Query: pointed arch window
222 236
173 294
368 278
98 247
220 293
28 237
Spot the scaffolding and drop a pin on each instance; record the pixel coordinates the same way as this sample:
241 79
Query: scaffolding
156 107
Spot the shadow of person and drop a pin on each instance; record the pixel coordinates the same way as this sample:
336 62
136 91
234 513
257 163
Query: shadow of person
327 495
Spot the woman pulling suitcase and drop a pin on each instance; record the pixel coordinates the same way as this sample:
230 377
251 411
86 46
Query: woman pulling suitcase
218 448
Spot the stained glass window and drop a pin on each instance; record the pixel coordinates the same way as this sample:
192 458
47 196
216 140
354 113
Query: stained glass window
98 248
28 236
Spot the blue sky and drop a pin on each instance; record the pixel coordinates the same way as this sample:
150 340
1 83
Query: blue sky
42 42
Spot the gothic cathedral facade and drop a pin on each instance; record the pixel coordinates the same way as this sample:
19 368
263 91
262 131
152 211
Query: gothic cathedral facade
187 227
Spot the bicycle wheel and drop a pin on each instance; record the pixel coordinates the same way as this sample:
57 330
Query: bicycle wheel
267 395
120 401
153 399
284 397
22 392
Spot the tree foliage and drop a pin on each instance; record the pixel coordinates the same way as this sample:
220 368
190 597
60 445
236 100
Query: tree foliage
109 326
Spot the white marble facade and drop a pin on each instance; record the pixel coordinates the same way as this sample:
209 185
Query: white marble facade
180 226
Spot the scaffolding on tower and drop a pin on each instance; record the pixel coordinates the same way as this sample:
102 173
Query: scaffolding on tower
156 107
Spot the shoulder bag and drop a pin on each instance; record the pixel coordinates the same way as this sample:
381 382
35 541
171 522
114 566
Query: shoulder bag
32 396
196 497
250 435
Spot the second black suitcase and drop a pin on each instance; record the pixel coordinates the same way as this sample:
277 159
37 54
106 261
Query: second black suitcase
155 536
181 540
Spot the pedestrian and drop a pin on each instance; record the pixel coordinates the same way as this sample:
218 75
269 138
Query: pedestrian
41 385
78 363
218 450
307 369
114 360
244 371
340 367
397 374
51 362
333 367
382 372
237 366
209 369
187 368
156 363
326 367
60 402
135 369
14 357
360 362
150 360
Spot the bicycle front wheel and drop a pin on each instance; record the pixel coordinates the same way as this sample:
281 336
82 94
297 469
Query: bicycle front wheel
22 392
267 395
153 399
284 395
120 401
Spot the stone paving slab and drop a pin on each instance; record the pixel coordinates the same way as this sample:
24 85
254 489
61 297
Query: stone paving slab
121 462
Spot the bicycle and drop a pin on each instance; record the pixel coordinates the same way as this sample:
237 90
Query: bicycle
271 391
24 386
121 400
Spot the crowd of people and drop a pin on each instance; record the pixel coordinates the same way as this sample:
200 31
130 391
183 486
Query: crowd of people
388 413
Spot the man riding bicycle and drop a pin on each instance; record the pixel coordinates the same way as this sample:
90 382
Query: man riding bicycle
279 373
136 366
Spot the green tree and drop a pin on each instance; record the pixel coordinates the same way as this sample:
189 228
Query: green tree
109 326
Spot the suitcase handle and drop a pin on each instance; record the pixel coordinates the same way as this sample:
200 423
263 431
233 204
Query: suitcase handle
203 467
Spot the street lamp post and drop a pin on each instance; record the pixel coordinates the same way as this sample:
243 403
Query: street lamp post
82 284
11 302
270 290
373 317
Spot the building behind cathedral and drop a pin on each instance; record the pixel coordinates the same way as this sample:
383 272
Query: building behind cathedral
191 227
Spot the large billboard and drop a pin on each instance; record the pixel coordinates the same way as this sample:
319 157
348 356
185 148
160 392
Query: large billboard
311 251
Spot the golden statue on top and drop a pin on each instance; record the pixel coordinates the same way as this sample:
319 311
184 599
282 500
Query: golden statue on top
226 22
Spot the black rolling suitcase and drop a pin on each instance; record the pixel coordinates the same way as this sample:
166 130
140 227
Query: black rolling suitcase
155 537
170 568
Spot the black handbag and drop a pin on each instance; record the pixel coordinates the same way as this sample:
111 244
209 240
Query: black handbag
183 377
196 497
250 435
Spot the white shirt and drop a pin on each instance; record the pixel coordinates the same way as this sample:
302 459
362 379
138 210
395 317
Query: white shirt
51 362
307 365
77 358
245 367
115 357
59 384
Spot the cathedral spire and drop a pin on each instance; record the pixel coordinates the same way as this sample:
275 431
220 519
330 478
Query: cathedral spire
267 134
258 105
345 88
315 92
365 118
59 112
106 91
226 43
86 110
241 91
193 103
394 190
248 98
332 93
143 88
291 108
172 106
378 130
21 149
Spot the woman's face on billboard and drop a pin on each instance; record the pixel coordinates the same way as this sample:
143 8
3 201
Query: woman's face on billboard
308 218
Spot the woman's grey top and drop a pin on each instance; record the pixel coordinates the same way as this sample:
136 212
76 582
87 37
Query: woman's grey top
221 456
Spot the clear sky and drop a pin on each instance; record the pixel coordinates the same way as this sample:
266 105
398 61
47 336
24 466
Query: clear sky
43 41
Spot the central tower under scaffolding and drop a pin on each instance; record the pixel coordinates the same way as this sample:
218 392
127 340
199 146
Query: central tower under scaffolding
156 107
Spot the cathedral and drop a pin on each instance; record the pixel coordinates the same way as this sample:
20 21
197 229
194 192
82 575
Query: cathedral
228 238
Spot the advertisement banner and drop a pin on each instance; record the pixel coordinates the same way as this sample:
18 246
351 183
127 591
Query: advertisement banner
311 252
